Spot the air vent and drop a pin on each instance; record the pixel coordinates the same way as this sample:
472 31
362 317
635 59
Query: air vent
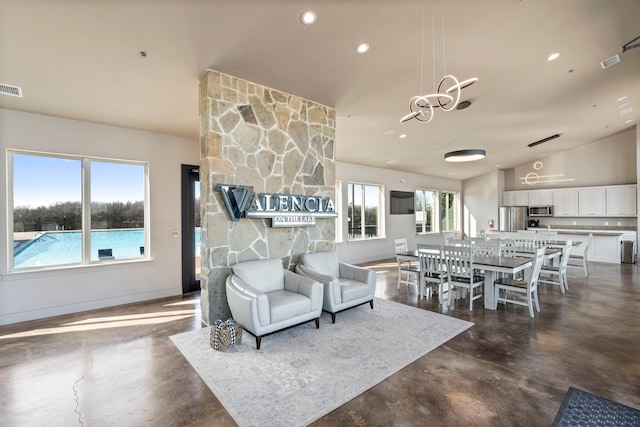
6 89
610 61
549 138
626 111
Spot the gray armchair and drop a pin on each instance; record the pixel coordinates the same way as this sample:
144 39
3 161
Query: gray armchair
266 298
345 285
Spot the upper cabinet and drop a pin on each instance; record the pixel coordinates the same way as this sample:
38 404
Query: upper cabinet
622 201
592 202
541 198
565 202
615 200
527 198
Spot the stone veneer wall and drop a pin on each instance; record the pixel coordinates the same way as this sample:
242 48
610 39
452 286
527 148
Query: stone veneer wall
277 143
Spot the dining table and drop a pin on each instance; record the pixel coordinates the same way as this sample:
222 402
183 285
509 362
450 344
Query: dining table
491 265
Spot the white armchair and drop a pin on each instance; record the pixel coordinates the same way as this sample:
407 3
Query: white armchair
345 285
266 298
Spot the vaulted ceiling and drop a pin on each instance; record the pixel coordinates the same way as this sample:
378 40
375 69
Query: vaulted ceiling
82 60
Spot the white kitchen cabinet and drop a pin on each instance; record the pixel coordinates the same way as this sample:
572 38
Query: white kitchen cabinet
604 247
522 198
515 198
541 198
508 198
565 202
592 202
622 201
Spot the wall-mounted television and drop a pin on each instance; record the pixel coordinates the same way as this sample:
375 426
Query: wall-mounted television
402 202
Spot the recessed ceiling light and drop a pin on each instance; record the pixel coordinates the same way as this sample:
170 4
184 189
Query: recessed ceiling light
553 56
363 47
403 136
628 121
389 132
626 104
392 162
309 17
622 98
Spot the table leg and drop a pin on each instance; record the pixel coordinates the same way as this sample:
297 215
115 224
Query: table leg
489 278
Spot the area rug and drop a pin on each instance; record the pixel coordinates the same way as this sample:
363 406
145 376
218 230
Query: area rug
580 408
303 373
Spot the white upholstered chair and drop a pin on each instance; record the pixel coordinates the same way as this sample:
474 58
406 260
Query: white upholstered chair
345 285
521 292
265 297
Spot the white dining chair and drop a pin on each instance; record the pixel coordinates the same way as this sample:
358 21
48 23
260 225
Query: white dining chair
557 275
408 268
461 272
486 248
521 292
433 271
578 257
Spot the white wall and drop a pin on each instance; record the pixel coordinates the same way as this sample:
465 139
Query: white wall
25 296
396 225
480 201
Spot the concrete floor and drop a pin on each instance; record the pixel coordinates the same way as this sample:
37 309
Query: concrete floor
117 367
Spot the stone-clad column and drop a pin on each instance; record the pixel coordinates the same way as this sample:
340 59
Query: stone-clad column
276 142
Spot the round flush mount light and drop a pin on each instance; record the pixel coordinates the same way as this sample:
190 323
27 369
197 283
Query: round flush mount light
402 136
363 48
309 17
553 56
468 155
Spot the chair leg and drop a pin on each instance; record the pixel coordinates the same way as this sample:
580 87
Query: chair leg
317 319
470 299
535 299
565 280
258 341
371 304
333 317
584 265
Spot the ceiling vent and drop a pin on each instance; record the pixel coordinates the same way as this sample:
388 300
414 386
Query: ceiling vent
549 138
6 89
610 61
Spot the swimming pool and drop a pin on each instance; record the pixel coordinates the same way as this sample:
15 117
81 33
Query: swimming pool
65 247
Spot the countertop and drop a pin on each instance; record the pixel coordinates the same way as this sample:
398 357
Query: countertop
586 229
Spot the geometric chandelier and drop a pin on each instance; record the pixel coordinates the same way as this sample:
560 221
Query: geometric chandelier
422 106
447 96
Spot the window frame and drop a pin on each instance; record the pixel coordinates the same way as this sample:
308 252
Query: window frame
380 234
435 217
456 208
85 201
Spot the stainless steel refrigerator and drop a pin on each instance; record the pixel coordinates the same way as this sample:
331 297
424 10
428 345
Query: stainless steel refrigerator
513 218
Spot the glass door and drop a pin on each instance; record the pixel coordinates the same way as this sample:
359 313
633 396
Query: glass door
190 228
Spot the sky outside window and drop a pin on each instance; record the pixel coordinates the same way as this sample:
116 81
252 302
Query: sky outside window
45 181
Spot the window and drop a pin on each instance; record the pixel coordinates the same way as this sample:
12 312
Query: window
449 211
364 211
426 201
67 210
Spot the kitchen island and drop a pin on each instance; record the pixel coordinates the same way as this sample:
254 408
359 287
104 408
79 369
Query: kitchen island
606 244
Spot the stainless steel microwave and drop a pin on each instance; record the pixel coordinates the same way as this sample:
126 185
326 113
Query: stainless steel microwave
540 211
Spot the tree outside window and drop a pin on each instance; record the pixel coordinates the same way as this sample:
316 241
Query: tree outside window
425 211
364 211
449 211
